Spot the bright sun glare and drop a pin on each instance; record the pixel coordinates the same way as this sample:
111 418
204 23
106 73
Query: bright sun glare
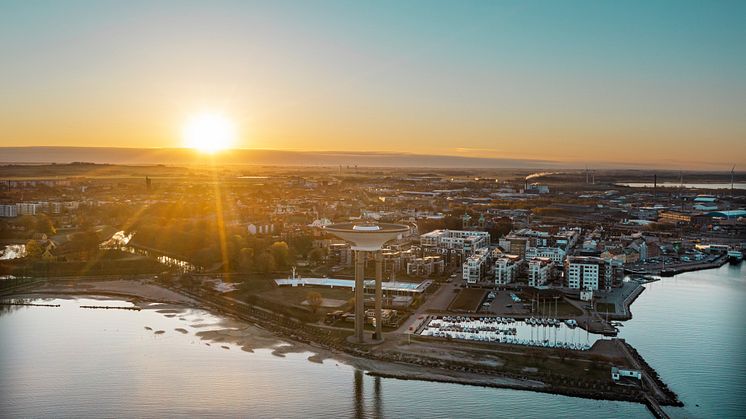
209 133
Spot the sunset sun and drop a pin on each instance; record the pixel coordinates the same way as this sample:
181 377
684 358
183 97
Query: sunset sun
209 133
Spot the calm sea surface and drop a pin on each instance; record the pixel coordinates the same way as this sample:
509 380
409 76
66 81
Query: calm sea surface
72 362
686 185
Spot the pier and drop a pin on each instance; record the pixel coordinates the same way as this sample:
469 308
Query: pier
656 393
113 308
28 304
677 268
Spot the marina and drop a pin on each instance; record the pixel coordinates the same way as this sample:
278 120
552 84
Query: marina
709 386
539 332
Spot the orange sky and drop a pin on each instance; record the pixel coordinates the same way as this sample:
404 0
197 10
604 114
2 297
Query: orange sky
497 80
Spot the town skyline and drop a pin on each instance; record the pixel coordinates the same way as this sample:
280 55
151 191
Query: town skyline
372 209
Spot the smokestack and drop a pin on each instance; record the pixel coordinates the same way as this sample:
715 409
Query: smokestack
732 171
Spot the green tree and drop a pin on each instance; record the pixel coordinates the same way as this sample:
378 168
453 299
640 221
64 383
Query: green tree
33 249
246 259
238 241
85 242
27 222
44 225
281 253
265 262
316 255
302 245
314 301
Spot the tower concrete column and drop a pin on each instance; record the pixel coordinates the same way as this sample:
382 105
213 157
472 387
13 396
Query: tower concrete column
366 237
359 302
379 296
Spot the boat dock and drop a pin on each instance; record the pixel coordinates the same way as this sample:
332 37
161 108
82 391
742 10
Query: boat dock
677 268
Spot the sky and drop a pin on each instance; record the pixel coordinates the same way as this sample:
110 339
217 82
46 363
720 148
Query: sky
643 82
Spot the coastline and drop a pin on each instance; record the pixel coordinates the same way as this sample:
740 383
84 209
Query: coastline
627 303
259 330
254 336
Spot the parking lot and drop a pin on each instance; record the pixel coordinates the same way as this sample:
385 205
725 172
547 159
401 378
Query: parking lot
503 304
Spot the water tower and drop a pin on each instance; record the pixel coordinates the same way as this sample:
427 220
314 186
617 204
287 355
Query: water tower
367 237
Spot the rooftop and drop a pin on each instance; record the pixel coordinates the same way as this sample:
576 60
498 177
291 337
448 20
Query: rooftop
414 287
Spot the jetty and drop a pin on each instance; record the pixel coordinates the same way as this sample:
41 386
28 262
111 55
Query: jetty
677 268
113 308
27 304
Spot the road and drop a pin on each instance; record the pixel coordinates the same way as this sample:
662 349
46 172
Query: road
439 300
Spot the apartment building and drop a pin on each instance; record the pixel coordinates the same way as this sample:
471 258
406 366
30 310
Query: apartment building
475 266
465 242
8 211
506 269
593 273
539 271
26 208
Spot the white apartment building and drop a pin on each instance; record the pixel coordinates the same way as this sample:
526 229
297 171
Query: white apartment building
592 273
475 266
71 205
583 272
555 254
539 271
564 237
506 269
26 208
8 211
466 242
260 228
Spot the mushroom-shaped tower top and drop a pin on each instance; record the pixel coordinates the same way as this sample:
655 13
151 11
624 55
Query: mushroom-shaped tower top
364 236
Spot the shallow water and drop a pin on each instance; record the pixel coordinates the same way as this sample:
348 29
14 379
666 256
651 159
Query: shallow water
70 361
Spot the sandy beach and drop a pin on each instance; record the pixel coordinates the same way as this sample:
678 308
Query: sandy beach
247 336
136 291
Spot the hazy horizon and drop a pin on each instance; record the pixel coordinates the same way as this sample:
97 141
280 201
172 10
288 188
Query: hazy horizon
265 157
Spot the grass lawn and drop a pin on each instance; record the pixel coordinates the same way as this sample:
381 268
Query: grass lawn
296 295
469 299
602 308
564 309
